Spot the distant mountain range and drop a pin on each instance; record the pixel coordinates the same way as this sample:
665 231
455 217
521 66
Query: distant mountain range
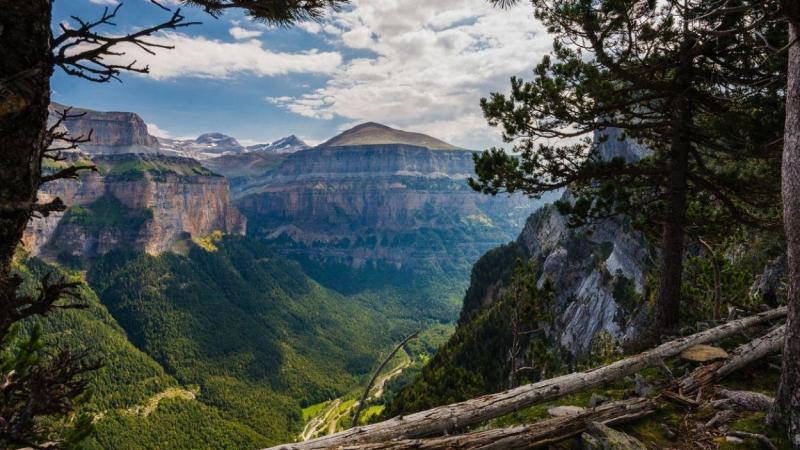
212 145
126 132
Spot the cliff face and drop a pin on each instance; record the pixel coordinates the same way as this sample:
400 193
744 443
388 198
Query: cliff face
597 272
397 204
598 275
111 132
135 202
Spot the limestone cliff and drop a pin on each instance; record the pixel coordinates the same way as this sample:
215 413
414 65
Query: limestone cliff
135 202
401 205
111 132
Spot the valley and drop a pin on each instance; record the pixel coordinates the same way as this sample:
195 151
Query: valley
262 280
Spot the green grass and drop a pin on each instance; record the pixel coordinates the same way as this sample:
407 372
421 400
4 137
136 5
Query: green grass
370 413
312 410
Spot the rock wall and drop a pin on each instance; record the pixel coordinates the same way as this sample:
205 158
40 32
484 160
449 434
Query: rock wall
391 203
588 268
136 202
597 272
111 132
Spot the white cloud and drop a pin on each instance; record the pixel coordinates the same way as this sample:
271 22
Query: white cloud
211 58
154 130
240 33
432 63
310 27
104 2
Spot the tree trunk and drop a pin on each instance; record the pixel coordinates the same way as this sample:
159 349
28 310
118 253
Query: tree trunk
786 412
25 40
668 303
535 435
471 412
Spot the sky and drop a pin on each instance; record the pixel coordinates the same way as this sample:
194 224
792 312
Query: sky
418 65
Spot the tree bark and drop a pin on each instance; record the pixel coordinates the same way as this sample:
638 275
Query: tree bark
25 40
668 302
471 412
526 436
786 411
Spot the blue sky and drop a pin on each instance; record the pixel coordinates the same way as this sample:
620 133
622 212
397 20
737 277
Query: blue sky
420 65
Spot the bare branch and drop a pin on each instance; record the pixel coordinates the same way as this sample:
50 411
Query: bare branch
82 51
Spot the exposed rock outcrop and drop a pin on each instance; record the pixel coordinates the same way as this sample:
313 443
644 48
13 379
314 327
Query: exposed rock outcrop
111 132
135 202
597 272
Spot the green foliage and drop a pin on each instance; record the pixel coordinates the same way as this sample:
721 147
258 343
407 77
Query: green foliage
740 257
275 13
249 327
175 424
107 212
494 266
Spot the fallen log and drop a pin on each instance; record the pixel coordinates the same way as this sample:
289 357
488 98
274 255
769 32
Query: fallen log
743 400
455 416
559 428
742 356
533 435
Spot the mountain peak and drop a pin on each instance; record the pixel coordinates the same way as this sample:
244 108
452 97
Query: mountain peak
372 133
289 144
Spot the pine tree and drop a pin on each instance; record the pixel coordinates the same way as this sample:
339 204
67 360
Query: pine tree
668 75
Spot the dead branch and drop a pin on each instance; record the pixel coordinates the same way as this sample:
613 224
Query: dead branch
747 400
742 356
364 396
553 430
82 51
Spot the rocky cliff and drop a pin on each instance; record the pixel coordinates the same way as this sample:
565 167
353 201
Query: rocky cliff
111 132
598 272
134 202
391 203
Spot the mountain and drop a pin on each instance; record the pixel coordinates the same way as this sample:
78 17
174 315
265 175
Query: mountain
111 132
208 145
289 144
377 214
372 133
135 201
349 247
392 204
